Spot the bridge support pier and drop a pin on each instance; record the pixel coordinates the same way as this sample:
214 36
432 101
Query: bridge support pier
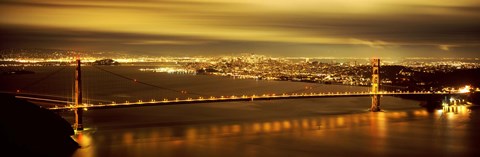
78 119
375 103
375 85
78 98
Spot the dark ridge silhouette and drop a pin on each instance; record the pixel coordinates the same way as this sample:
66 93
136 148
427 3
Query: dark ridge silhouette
29 130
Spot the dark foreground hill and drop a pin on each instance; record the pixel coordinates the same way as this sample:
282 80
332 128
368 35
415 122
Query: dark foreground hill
29 130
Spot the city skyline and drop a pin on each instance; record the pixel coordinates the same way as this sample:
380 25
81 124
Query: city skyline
371 28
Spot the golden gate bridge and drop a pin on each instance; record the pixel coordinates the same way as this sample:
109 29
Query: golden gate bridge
78 107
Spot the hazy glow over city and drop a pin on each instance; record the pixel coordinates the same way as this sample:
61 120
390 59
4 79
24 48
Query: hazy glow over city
391 28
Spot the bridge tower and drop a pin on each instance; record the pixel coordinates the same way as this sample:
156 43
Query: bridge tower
375 85
78 97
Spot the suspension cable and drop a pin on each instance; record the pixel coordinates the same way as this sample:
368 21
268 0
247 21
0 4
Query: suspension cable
144 83
41 79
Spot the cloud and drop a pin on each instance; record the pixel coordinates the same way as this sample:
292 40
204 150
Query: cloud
446 47
373 44
166 42
175 24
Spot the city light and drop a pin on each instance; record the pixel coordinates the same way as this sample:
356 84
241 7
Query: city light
169 70
465 89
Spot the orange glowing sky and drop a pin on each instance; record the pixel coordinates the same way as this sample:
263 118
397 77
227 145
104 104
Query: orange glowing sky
393 28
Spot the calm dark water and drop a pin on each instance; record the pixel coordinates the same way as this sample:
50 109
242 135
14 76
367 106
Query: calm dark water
278 129
302 127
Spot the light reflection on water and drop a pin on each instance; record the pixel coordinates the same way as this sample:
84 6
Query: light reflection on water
378 134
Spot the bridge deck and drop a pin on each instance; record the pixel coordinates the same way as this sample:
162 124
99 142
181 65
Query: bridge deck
229 99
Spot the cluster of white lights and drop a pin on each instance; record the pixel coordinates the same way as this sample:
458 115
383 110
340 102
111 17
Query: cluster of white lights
465 89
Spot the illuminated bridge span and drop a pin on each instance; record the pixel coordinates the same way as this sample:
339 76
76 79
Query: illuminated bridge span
154 102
